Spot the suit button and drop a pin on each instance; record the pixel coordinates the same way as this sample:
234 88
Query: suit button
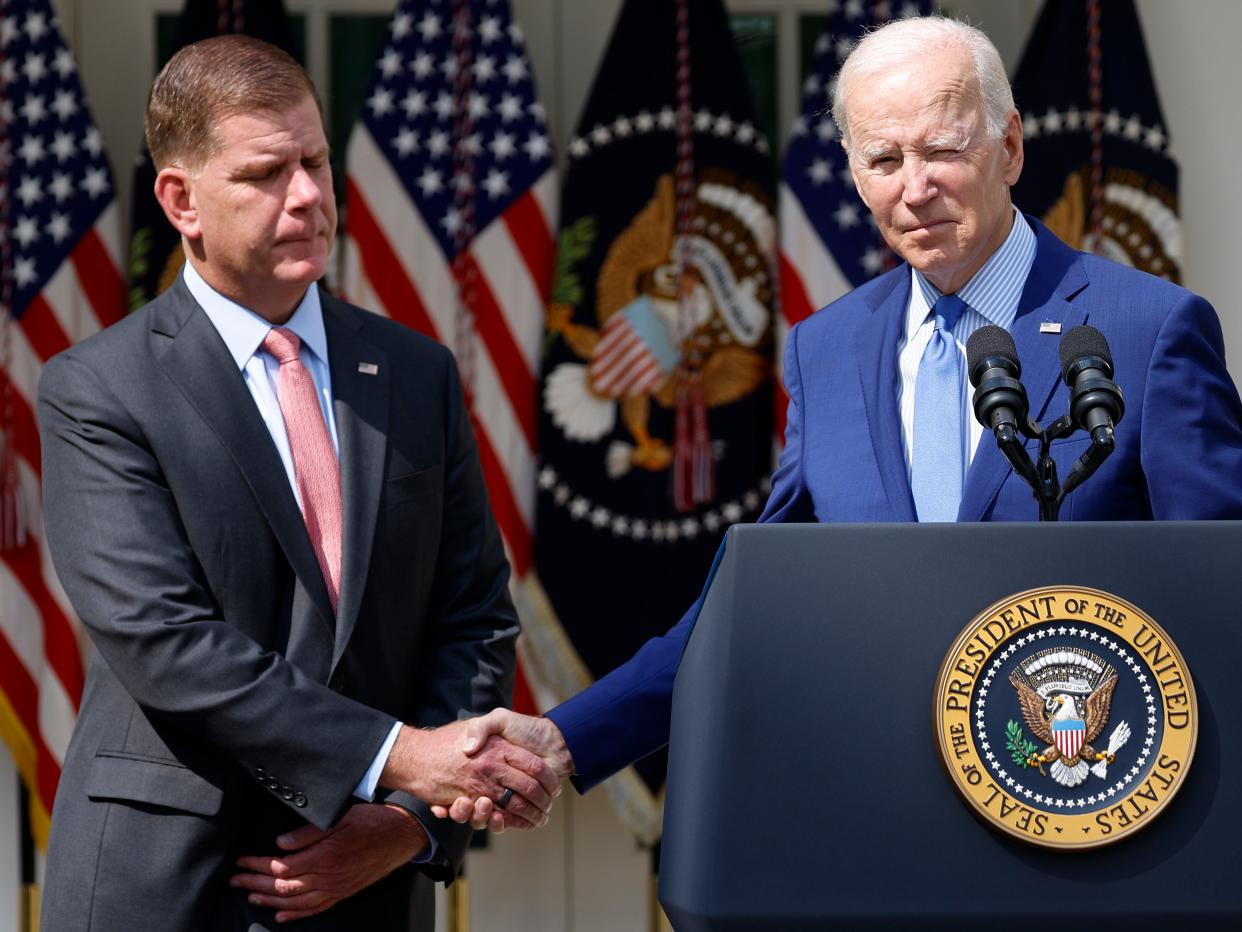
299 800
272 784
286 793
260 773
339 682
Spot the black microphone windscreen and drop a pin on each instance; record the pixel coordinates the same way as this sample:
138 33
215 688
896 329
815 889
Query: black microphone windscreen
1083 341
988 341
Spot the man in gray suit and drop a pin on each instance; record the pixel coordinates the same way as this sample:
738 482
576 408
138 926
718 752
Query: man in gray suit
267 508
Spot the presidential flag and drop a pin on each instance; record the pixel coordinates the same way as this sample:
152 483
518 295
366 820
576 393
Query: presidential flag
655 398
1099 165
155 256
61 282
450 205
829 243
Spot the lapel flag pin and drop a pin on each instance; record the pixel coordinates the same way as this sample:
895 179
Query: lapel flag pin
1050 326
368 368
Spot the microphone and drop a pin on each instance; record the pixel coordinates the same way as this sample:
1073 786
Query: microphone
1096 404
999 401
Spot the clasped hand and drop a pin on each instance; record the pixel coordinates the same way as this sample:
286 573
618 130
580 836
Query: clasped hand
460 769
490 734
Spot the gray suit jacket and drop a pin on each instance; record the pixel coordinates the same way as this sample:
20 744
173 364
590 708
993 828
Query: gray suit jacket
224 703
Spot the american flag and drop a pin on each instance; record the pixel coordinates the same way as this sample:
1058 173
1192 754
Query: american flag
60 244
828 241
450 206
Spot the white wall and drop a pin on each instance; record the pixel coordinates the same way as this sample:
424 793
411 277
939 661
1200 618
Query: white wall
584 872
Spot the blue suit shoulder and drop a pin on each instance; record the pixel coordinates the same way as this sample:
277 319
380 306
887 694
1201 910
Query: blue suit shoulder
1109 275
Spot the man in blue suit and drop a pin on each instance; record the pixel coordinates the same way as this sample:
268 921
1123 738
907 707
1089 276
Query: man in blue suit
878 424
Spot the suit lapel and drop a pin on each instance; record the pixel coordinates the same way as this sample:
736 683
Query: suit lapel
198 362
876 353
1056 277
360 380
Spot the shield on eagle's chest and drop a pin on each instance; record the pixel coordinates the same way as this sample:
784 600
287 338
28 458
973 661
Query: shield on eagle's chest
1068 736
634 354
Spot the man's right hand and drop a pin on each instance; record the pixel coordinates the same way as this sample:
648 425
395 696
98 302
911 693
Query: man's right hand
453 762
536 734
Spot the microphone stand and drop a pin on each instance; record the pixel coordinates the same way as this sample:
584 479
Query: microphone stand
1041 476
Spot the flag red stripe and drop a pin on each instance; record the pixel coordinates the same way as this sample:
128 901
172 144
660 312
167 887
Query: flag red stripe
523 699
384 270
530 232
794 301
22 692
510 365
25 432
99 278
60 646
42 329
504 505
780 401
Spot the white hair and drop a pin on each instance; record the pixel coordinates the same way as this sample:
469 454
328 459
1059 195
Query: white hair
905 40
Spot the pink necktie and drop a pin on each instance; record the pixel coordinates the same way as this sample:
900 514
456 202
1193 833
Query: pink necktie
315 467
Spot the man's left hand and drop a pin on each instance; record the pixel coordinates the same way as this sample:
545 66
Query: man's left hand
322 868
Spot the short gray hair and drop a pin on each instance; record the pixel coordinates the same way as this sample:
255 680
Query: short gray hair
902 40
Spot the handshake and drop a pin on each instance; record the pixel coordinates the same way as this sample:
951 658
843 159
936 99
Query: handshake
501 770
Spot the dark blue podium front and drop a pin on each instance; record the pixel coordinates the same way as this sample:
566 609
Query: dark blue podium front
805 790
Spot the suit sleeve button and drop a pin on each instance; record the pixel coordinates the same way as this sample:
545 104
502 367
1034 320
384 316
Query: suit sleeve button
272 784
286 792
260 773
299 800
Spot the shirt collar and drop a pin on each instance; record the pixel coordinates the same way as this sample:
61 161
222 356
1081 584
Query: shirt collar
243 330
994 291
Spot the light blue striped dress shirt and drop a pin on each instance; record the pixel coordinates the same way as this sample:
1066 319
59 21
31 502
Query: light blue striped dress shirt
993 294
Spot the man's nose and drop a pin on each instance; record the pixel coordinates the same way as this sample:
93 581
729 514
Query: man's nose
303 189
918 185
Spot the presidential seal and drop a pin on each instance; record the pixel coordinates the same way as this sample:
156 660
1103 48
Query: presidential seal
1066 717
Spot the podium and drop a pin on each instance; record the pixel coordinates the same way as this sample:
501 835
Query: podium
805 788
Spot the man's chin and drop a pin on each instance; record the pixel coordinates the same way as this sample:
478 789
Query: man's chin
301 272
937 266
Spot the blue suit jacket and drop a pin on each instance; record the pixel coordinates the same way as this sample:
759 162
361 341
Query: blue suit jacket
1178 456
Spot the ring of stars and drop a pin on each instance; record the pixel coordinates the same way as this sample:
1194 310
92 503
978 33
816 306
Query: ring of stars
1048 799
1055 122
665 121
605 519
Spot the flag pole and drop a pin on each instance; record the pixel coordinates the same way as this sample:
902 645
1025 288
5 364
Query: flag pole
458 918
658 921
28 893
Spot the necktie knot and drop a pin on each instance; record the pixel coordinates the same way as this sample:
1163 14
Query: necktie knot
283 344
950 307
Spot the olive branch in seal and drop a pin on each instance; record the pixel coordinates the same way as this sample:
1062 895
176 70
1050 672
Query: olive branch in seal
1018 745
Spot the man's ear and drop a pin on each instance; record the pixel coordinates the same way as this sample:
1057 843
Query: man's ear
174 189
1012 142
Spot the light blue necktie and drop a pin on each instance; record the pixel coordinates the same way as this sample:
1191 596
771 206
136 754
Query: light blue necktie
937 467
